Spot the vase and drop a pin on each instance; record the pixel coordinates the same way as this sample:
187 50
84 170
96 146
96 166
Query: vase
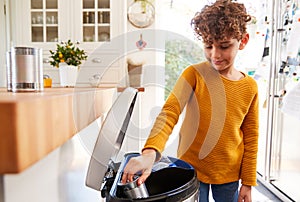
68 75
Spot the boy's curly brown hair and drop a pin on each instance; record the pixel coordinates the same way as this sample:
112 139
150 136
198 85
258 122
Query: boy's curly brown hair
221 20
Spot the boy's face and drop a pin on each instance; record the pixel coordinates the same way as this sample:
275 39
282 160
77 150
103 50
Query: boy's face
221 54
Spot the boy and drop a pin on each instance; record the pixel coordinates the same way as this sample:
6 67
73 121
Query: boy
219 134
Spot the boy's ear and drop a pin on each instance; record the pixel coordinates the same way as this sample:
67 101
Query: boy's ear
244 41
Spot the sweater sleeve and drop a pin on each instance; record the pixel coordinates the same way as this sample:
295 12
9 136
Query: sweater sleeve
171 110
250 132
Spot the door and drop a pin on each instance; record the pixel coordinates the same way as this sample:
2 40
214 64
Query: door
285 156
279 156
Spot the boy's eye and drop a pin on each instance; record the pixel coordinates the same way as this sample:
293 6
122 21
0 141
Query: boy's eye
225 47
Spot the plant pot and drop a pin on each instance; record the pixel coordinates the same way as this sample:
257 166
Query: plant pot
68 75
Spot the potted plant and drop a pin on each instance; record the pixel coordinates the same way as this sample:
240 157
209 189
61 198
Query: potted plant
67 57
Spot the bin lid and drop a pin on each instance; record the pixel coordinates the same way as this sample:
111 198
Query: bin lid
110 137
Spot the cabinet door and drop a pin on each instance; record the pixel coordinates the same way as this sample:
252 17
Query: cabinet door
35 23
44 20
97 21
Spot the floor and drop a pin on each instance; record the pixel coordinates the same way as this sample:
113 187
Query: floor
262 194
64 181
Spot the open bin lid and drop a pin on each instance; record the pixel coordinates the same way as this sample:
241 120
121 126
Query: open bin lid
110 137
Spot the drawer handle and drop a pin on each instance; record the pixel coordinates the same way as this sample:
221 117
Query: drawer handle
97 60
45 60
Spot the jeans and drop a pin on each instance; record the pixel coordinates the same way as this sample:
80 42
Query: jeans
221 192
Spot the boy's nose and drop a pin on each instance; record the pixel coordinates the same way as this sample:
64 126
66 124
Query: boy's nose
215 53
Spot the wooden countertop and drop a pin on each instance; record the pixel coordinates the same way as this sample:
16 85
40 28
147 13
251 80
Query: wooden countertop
34 124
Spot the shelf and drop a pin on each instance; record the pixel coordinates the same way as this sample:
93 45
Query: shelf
93 24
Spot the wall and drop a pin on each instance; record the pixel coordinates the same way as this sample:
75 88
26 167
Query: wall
150 101
3 46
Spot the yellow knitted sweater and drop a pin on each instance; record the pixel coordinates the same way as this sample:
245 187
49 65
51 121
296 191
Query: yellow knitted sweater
219 133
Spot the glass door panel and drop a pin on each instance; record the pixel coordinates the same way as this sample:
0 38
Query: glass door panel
51 34
284 159
103 4
104 17
37 18
88 4
37 34
51 18
51 4
88 34
103 33
44 20
96 20
36 4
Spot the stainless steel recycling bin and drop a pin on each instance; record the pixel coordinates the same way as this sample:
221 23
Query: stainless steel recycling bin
171 179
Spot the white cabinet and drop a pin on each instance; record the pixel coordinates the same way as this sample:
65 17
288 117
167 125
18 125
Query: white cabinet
44 23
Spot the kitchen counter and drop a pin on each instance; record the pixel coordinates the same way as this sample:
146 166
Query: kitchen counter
34 124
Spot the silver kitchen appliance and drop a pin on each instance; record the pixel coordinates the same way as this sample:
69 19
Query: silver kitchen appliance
171 179
25 69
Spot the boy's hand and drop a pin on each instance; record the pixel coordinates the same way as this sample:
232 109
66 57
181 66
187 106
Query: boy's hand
245 194
142 163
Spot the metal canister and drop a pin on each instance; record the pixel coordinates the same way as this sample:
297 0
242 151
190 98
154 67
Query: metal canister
26 66
133 191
